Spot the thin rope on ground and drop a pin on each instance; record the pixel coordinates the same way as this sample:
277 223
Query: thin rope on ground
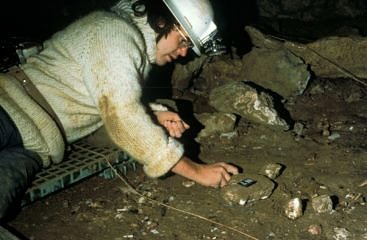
177 209
336 65
133 190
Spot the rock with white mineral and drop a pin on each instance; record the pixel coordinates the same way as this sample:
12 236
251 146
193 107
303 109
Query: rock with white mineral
272 170
294 208
240 98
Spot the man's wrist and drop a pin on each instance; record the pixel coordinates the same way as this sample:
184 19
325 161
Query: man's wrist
186 168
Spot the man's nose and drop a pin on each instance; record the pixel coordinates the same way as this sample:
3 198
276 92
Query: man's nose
182 51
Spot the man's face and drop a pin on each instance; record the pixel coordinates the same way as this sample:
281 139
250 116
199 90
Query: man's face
171 47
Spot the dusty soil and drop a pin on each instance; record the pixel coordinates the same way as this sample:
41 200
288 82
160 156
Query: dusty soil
328 156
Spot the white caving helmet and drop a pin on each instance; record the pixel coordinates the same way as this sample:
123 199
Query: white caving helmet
196 18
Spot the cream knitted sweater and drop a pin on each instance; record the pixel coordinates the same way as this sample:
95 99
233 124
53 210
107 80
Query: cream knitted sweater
91 74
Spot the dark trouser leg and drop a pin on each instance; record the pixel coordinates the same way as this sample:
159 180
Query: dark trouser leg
17 170
18 167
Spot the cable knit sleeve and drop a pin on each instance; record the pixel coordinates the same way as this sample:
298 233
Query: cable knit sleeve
113 70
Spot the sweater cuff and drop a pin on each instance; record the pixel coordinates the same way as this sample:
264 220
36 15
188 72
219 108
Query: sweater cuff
164 164
157 107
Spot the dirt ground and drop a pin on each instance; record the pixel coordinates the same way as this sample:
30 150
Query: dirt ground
327 157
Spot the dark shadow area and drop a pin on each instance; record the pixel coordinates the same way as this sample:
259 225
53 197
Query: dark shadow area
8 48
38 20
304 204
192 148
158 84
334 200
12 211
283 167
305 32
231 18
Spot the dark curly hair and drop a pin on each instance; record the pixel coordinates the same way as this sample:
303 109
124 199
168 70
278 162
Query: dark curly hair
159 16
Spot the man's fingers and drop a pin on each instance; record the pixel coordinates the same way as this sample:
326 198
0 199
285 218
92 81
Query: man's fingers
225 179
229 168
226 176
233 170
175 129
181 125
185 125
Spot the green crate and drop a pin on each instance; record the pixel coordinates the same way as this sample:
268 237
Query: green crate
81 162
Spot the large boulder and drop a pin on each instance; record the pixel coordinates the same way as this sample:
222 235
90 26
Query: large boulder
278 70
331 57
245 101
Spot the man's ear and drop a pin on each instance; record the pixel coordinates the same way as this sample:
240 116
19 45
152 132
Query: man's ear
161 23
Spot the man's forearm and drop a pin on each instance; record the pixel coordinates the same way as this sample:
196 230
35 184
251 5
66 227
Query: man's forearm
186 168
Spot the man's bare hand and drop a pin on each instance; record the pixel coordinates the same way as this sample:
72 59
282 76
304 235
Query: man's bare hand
172 122
211 175
215 175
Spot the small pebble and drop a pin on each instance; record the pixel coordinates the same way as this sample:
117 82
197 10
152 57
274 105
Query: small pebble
322 204
154 231
188 183
141 200
293 209
272 170
314 229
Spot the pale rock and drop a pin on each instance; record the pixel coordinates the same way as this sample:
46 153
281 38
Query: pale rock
238 194
322 204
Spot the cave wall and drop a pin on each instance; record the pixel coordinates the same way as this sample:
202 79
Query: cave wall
301 19
309 10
